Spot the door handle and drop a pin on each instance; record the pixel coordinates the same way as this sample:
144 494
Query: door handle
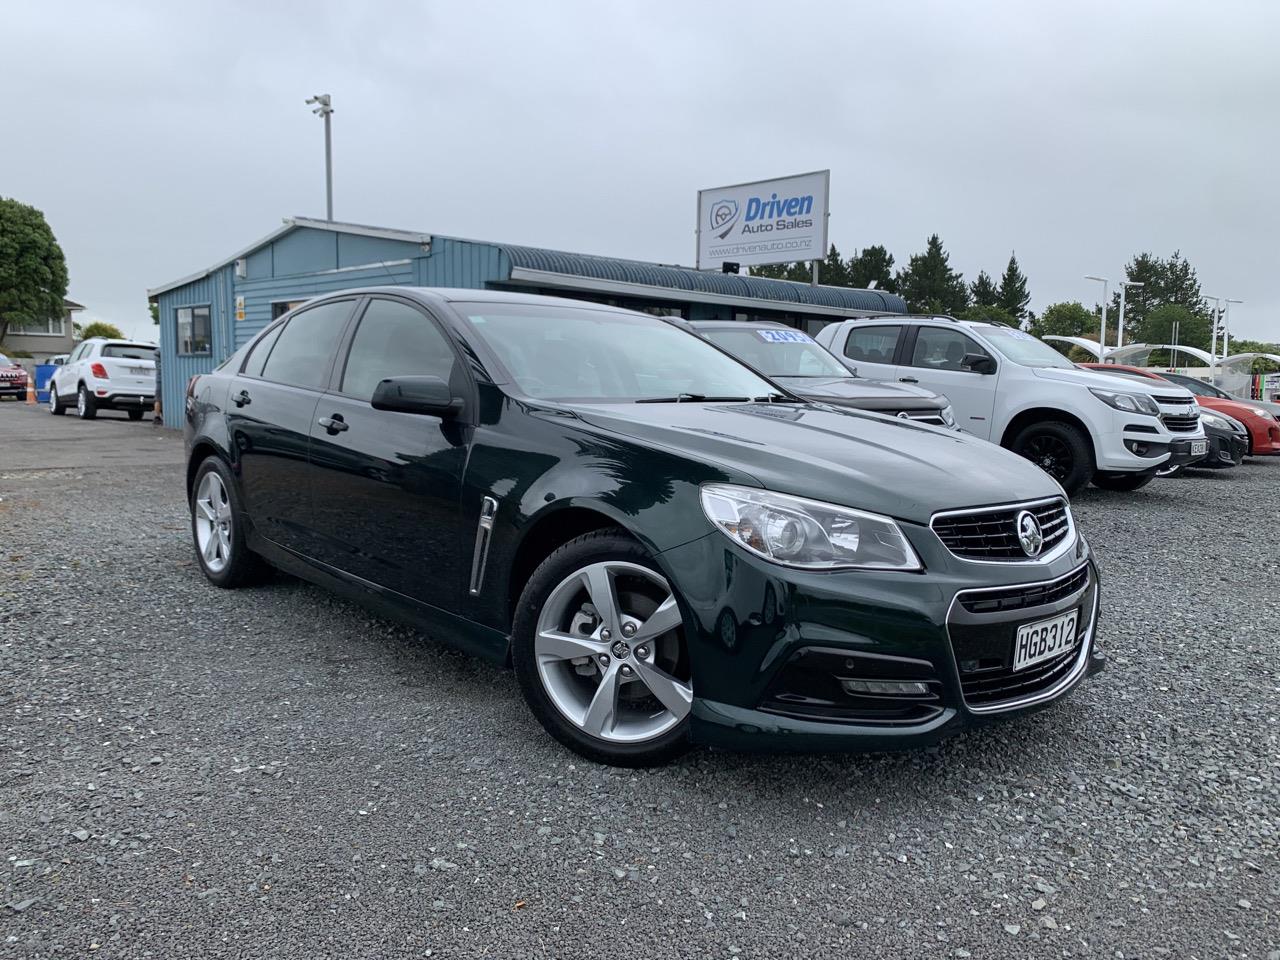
334 425
908 380
242 399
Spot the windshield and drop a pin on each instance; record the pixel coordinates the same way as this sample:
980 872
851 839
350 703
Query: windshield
1198 387
569 353
129 351
778 352
1022 348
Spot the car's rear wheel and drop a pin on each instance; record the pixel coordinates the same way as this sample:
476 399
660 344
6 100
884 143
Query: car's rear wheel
1122 481
217 527
55 405
135 414
599 650
86 409
1060 450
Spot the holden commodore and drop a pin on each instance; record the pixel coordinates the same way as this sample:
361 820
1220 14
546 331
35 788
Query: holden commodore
667 547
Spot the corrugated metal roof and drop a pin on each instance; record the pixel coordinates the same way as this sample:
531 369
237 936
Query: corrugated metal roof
702 281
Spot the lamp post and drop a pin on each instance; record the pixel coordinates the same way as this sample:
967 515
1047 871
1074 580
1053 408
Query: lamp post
1213 341
1226 329
324 108
1102 336
1124 285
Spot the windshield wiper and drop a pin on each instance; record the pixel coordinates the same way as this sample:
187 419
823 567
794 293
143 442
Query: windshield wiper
693 398
770 398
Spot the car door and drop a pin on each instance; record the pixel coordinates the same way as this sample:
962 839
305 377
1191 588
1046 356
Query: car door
270 409
386 485
872 349
935 360
65 376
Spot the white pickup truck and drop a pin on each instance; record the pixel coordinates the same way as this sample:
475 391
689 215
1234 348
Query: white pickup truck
1008 387
103 374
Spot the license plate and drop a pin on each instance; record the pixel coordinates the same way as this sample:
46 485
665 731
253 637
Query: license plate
1199 448
1044 639
139 371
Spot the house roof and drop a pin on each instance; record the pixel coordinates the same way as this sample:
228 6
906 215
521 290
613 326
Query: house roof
71 305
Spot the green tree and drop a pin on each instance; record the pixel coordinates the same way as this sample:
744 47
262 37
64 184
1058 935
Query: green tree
872 264
1072 319
1164 281
801 272
928 283
1013 296
33 271
100 328
155 312
1158 326
834 271
986 313
983 290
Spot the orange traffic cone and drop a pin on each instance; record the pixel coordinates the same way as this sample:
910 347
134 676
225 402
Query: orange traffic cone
31 391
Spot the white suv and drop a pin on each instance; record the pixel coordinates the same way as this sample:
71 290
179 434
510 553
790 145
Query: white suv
1010 388
105 374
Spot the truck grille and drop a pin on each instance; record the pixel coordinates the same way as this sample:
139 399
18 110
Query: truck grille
1180 423
993 534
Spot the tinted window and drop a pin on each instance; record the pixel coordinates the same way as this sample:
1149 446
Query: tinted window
942 348
872 344
129 351
261 350
305 347
393 340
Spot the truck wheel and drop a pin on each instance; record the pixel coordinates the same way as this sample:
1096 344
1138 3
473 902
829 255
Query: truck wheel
55 405
1060 450
1122 481
134 414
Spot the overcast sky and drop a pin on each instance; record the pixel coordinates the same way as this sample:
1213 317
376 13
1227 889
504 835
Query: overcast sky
161 137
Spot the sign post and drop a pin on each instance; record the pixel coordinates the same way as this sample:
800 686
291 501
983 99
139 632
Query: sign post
766 221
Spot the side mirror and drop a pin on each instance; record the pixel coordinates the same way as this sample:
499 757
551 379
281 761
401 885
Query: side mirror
429 395
979 363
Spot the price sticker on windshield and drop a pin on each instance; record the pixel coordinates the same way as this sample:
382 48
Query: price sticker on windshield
784 336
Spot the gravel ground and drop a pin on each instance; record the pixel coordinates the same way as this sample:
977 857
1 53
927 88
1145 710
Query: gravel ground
269 772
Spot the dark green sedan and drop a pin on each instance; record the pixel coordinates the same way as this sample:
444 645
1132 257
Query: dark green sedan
667 547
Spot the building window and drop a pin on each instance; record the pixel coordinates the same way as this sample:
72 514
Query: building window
280 307
194 332
41 328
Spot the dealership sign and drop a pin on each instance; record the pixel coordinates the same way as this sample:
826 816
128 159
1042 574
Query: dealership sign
769 221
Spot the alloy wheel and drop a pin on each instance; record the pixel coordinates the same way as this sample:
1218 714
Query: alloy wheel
212 510
610 653
82 402
1050 454
53 399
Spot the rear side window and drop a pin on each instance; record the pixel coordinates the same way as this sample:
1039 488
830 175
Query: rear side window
872 344
939 348
261 350
304 349
394 339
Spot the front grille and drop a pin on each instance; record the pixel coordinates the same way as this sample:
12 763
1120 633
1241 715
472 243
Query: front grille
1016 598
993 534
996 684
1180 423
1173 401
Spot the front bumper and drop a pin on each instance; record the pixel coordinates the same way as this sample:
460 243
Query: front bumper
10 388
776 652
1181 452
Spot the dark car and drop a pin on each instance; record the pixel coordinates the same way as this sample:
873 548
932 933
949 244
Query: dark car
1228 443
665 545
796 361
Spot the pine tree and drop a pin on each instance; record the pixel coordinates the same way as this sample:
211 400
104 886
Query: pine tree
1013 296
873 263
984 291
930 285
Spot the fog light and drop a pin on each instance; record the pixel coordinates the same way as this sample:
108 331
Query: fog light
1137 447
885 688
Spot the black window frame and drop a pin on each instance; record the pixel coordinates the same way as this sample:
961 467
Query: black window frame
356 300
177 340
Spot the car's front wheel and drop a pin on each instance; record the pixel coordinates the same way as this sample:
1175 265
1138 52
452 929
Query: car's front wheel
86 409
1123 482
55 405
599 650
217 527
1059 449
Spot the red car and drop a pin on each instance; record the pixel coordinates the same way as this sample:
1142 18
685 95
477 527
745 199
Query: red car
13 379
1264 429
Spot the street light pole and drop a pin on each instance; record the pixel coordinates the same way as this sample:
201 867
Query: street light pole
1124 285
1226 329
1102 336
1213 342
324 108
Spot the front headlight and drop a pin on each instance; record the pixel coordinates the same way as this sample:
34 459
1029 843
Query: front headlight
808 534
1139 403
1213 420
1265 414
948 416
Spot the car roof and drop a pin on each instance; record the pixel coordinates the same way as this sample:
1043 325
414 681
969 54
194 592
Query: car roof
738 325
444 295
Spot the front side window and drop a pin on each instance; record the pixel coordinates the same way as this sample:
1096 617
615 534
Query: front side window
195 333
778 353
942 348
394 339
303 352
568 353
872 344
259 352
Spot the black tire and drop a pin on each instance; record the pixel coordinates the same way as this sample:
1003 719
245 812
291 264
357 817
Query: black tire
243 566
55 405
86 408
1123 482
1063 451
595 547
134 414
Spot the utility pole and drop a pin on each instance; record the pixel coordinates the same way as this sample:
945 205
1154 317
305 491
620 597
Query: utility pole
1124 285
324 108
1102 336
1226 329
1213 342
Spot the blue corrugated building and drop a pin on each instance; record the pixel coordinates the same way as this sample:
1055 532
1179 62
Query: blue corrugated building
205 317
